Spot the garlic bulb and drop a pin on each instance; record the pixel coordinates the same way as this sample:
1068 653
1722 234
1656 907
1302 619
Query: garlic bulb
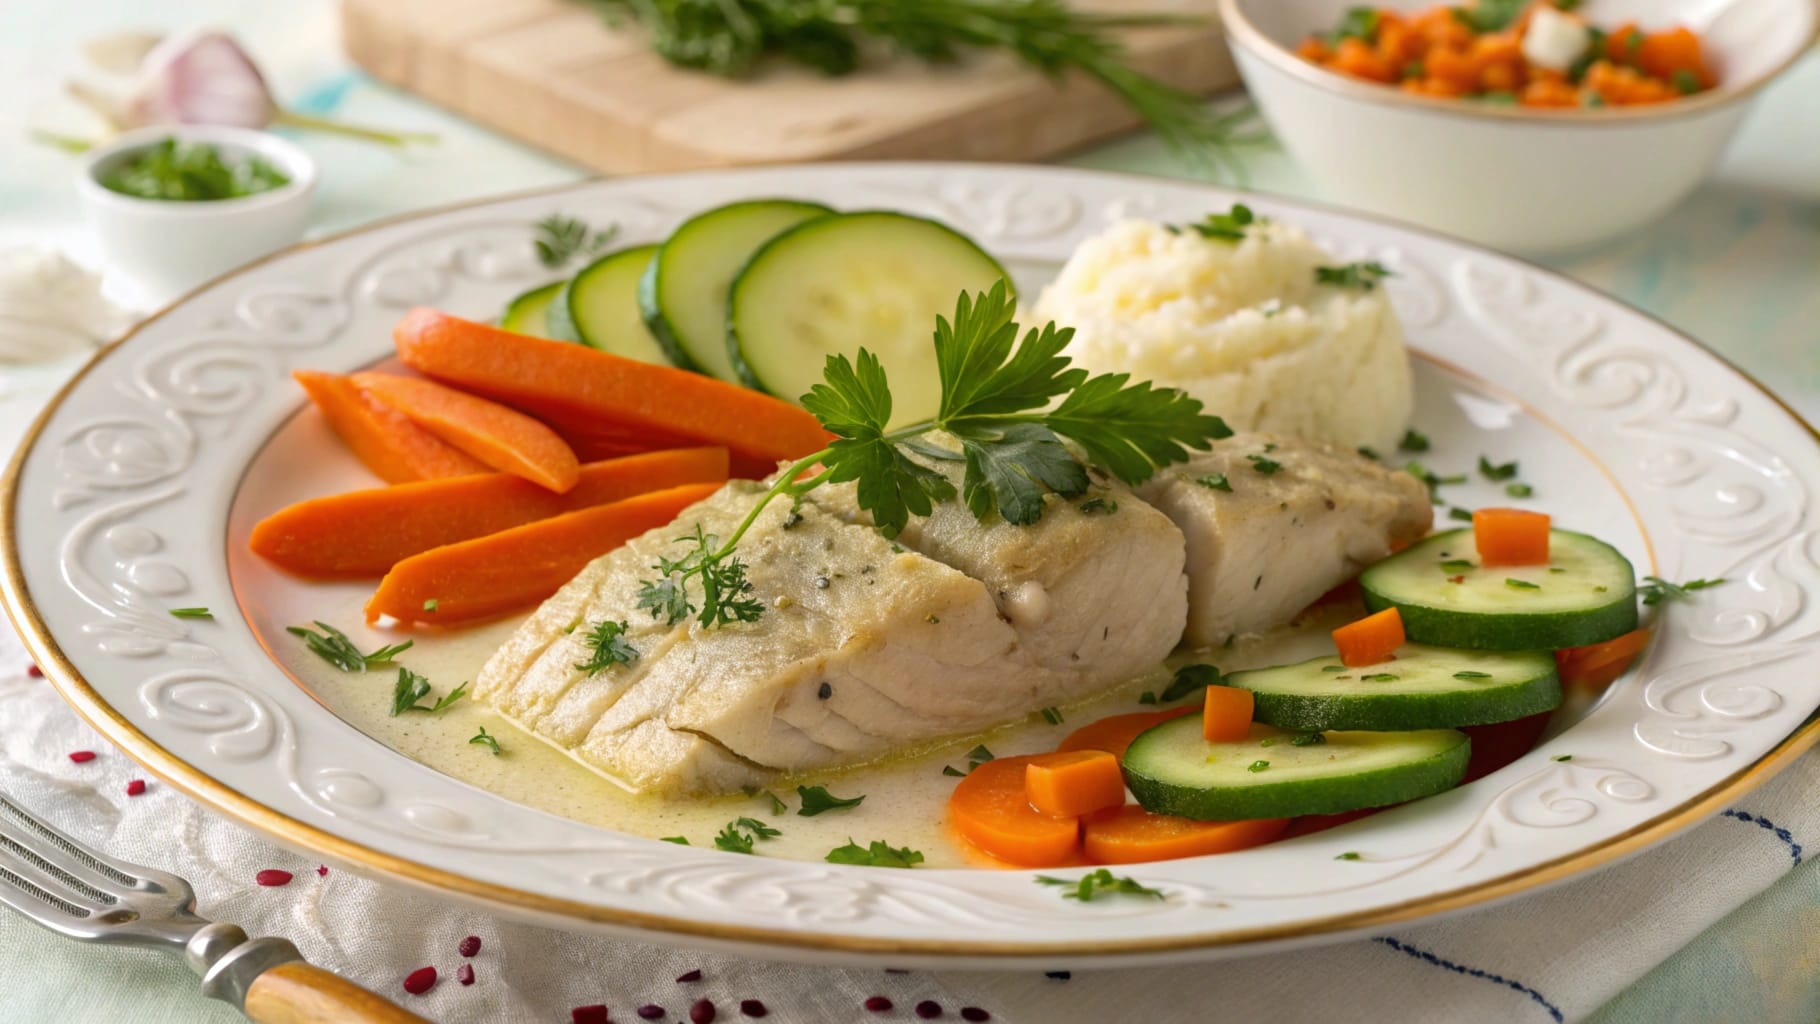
51 308
199 77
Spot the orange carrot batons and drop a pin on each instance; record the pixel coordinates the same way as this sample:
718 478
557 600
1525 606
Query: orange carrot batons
595 398
389 444
364 533
503 438
514 569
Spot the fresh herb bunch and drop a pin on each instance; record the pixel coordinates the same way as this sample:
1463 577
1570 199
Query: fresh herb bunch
730 37
999 403
191 172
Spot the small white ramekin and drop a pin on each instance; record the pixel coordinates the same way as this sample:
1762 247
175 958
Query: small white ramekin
169 247
1523 179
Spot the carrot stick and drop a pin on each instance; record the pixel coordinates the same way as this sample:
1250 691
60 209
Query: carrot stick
364 533
594 398
394 448
1114 734
990 809
1075 783
1510 536
502 438
1132 835
513 569
1371 639
1599 664
1226 717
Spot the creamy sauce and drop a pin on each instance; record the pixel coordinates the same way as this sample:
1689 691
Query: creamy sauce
906 796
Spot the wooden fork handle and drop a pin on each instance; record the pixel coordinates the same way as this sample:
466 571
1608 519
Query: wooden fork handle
301 993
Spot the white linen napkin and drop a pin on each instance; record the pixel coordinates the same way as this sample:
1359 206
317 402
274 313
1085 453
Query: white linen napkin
1552 956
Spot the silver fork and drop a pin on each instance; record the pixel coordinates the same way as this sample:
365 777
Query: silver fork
76 891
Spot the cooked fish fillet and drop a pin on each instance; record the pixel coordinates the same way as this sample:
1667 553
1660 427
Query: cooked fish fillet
1094 588
1281 537
865 647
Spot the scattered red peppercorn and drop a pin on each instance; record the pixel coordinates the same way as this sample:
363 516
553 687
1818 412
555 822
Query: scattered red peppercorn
688 976
135 787
928 1009
592 1014
322 871
275 877
702 1012
465 974
469 946
878 1004
975 1014
896 970
650 1011
82 756
753 1008
418 981
34 671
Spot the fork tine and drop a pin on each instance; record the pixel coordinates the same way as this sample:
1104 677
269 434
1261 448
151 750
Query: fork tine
75 871
37 902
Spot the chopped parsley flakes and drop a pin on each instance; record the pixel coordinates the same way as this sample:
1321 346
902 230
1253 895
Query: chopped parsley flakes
1095 884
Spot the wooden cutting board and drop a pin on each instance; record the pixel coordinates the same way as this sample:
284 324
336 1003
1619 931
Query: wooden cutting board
552 73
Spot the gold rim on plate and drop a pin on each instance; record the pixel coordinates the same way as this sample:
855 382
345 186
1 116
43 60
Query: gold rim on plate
211 792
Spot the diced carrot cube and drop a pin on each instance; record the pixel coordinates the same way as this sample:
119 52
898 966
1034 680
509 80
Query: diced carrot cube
1510 536
1079 782
1226 716
1370 640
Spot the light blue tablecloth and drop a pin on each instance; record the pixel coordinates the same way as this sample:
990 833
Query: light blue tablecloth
1738 266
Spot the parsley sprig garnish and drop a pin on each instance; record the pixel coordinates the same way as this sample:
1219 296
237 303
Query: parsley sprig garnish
561 238
977 756
334 647
1656 590
608 647
1008 404
1095 884
879 854
1188 679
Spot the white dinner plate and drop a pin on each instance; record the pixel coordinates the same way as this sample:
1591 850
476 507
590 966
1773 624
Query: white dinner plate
135 490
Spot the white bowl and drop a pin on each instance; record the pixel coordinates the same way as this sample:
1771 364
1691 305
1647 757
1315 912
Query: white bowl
1531 180
168 247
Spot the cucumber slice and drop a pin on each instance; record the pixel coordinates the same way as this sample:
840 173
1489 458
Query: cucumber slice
1432 688
875 278
527 313
1171 769
599 307
683 295
1584 595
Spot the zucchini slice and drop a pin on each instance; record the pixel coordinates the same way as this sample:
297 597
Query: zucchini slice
875 279
1424 688
1171 769
683 294
599 307
528 312
1586 594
